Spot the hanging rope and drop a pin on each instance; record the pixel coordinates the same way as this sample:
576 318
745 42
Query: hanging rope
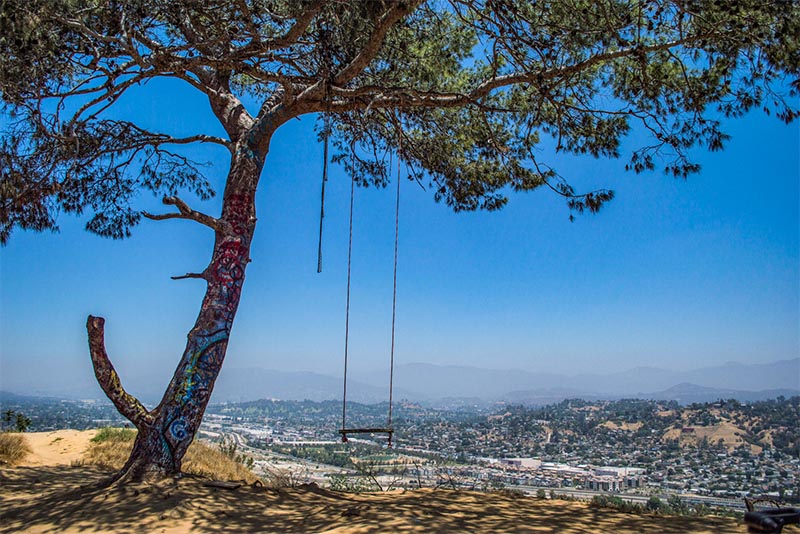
347 307
326 133
322 204
394 290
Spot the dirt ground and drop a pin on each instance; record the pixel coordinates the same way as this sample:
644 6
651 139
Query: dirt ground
61 447
63 498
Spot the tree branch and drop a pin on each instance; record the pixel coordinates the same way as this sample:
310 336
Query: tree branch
299 27
185 212
190 275
400 97
107 376
199 138
399 10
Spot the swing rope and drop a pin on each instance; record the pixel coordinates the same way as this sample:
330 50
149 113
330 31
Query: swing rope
326 134
388 430
394 289
347 307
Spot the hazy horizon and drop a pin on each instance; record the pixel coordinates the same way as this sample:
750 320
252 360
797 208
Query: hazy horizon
422 380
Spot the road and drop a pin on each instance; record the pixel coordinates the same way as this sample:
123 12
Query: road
262 454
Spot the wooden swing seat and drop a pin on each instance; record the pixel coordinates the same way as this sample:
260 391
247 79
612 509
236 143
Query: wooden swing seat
345 431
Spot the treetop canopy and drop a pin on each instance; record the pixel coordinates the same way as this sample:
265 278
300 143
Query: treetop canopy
463 90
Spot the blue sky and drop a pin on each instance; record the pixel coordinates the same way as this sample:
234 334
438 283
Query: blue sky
676 274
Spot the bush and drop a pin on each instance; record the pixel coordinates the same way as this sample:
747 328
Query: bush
616 503
654 504
13 448
353 483
115 435
228 447
15 422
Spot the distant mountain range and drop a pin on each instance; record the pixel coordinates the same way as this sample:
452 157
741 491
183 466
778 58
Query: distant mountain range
244 384
451 385
685 393
461 381
437 384
731 380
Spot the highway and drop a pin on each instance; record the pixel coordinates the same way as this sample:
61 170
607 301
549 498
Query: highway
241 443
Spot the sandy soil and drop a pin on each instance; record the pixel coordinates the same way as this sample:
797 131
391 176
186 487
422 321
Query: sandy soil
61 447
65 499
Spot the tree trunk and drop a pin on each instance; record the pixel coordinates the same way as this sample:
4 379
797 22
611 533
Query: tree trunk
166 432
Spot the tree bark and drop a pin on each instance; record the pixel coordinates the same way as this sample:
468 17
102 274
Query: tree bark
166 432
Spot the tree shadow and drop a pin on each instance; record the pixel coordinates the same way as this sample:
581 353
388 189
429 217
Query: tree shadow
67 499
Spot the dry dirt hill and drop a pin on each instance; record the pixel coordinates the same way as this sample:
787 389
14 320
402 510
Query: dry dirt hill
724 430
50 494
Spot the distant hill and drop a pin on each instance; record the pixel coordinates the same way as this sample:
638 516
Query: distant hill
783 374
465 385
545 396
243 384
682 393
434 381
691 393
470 385
438 381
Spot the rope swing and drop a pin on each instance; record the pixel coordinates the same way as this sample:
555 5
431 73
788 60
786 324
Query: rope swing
389 429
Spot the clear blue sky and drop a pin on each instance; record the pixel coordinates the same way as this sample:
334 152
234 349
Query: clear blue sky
672 274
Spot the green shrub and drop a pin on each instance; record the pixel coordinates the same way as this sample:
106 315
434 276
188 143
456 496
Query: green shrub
616 503
115 435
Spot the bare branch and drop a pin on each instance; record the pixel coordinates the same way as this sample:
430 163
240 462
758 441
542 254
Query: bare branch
199 138
190 275
185 212
107 376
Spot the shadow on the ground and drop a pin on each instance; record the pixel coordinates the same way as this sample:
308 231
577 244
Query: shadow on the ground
66 499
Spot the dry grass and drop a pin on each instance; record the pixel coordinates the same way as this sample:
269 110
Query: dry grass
112 446
13 448
627 427
728 433
202 459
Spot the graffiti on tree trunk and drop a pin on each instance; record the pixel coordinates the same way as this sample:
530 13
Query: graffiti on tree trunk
208 340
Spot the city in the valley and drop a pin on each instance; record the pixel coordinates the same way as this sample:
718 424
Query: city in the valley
709 454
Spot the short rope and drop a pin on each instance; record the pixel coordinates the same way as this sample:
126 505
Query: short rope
322 200
347 308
